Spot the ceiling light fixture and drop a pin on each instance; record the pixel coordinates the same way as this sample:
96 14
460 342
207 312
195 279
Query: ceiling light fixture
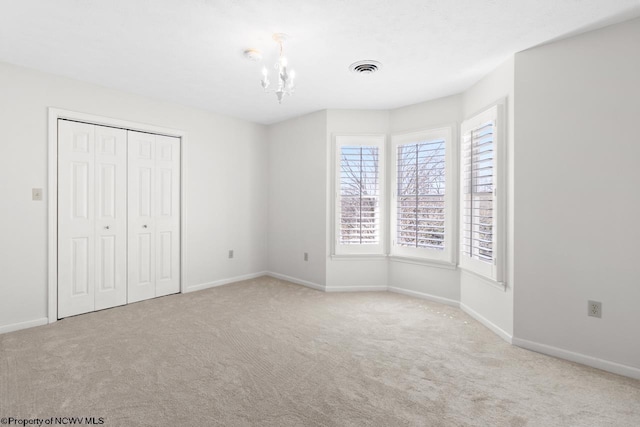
285 76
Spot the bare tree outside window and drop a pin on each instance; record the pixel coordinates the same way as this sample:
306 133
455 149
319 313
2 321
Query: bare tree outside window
420 198
359 195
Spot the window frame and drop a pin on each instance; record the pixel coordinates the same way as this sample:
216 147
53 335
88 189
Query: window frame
427 255
493 271
364 140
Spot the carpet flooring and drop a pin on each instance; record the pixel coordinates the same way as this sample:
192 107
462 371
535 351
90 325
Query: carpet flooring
265 352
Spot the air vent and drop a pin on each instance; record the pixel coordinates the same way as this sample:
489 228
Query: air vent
365 67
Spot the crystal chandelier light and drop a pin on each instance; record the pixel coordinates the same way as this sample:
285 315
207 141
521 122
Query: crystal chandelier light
285 75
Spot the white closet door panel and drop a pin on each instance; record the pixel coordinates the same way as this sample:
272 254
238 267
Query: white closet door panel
167 208
141 212
76 214
111 217
118 217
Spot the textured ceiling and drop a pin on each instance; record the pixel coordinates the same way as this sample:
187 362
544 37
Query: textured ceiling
190 51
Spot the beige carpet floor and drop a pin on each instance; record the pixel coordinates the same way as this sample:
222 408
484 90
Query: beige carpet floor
270 353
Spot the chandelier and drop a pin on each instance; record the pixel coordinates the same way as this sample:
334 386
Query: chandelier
285 76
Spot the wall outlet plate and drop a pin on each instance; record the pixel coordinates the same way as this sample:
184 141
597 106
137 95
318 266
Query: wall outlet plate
36 193
594 309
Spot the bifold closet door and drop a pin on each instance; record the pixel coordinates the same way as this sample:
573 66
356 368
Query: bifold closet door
92 217
153 215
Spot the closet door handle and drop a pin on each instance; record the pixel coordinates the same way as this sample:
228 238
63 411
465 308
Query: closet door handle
107 227
144 226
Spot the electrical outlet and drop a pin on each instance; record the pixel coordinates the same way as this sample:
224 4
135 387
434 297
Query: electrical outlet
306 256
36 194
594 309
230 253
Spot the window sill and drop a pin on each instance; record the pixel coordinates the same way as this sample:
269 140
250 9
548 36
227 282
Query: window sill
423 261
357 257
486 280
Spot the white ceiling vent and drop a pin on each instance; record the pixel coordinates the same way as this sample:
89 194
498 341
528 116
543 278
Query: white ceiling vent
365 67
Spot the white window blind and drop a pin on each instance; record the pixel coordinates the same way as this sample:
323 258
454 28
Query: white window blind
420 200
482 195
359 195
478 192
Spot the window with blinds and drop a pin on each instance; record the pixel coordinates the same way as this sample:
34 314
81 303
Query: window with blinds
421 208
359 194
482 194
477 191
420 200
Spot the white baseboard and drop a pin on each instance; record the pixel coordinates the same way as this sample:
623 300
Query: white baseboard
594 362
355 288
296 280
423 295
489 324
24 325
221 282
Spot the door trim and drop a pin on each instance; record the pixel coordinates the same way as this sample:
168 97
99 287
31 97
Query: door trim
52 223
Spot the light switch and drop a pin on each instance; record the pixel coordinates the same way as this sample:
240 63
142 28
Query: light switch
36 193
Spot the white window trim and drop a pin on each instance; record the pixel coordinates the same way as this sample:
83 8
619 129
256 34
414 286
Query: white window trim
437 257
494 272
424 262
359 257
376 140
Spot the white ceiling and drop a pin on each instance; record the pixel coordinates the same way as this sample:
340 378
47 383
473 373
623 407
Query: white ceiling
190 51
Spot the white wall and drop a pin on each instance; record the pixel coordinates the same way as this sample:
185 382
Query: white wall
226 174
291 230
425 115
344 272
578 194
435 282
297 198
350 273
492 305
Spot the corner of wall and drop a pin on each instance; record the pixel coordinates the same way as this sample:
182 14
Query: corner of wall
492 307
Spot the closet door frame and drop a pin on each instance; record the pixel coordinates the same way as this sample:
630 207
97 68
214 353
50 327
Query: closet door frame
52 200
